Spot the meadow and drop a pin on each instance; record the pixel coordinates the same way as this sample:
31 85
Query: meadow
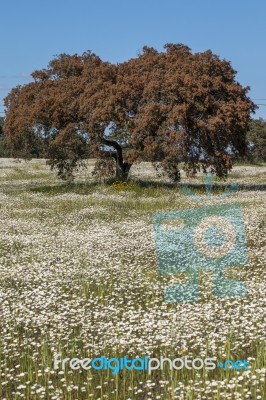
79 276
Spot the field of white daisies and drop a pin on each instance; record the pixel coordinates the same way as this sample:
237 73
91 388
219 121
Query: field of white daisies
79 276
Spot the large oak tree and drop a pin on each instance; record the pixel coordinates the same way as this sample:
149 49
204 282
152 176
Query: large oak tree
165 107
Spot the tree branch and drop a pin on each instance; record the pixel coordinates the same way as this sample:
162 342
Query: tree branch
117 147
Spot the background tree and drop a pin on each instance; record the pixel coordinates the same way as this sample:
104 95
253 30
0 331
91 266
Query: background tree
1 125
257 140
1 137
161 106
4 151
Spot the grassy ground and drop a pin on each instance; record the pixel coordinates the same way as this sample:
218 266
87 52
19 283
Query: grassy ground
79 276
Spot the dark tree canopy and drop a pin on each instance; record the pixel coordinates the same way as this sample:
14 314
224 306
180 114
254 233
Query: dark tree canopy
165 107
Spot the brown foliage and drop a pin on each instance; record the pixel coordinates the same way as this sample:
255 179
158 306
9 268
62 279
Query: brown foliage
177 106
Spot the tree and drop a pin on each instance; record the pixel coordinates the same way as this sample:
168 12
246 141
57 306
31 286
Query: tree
4 152
1 125
164 107
257 140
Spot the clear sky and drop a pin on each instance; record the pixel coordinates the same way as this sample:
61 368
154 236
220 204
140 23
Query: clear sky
33 31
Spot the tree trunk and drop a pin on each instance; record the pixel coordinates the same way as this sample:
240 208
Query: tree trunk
122 167
122 171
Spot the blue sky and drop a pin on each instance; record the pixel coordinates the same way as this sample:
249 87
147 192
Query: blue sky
33 31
